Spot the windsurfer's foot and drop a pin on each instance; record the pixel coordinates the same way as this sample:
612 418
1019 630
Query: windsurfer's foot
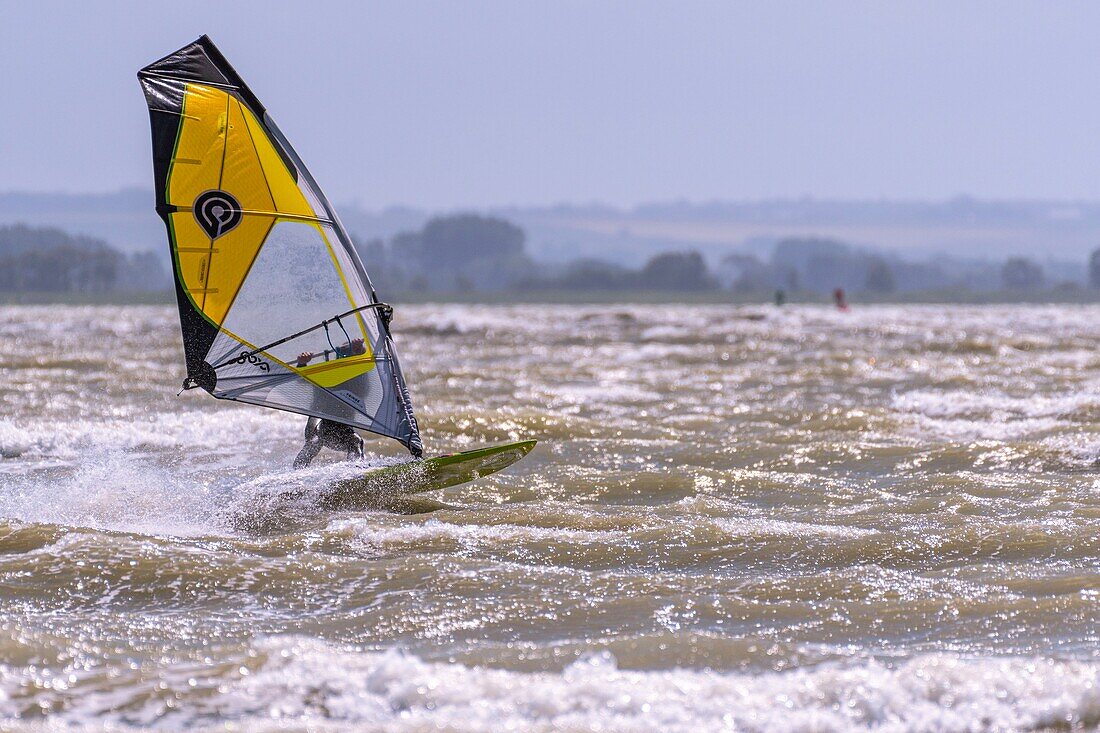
307 454
356 452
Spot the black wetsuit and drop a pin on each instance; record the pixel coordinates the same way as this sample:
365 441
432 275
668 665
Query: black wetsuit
328 434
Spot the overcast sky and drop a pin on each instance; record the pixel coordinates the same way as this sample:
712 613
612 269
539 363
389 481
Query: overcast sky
454 104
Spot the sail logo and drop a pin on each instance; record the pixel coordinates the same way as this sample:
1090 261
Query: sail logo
255 360
217 212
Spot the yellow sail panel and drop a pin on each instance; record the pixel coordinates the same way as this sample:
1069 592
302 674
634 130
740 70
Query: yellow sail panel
333 373
196 162
288 198
242 172
222 147
213 270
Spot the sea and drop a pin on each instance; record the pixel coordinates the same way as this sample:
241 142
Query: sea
737 518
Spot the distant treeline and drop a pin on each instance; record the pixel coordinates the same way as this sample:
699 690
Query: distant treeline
467 252
46 260
821 265
452 253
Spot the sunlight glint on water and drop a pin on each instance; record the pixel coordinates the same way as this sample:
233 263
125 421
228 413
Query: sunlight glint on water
737 518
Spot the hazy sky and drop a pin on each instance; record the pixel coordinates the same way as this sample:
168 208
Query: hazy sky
454 104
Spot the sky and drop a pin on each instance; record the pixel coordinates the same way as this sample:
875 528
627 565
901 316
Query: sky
475 104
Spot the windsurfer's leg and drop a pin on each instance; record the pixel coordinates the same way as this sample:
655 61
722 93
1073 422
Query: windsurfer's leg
356 453
313 444
340 437
312 428
308 452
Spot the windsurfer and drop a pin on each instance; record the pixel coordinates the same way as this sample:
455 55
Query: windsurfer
329 433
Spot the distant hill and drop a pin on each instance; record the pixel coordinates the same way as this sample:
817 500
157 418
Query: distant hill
124 219
963 227
49 260
19 239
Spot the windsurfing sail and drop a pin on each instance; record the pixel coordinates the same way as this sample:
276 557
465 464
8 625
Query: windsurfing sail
276 308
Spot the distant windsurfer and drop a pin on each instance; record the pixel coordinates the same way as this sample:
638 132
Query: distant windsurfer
840 300
329 433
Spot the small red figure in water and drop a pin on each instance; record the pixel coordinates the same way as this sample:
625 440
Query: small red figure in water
840 300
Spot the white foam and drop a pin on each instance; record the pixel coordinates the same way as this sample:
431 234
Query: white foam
306 682
116 490
154 473
956 403
69 439
466 536
288 491
1080 448
990 415
742 527
930 693
464 318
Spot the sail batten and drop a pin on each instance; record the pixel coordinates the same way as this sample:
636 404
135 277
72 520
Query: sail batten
260 257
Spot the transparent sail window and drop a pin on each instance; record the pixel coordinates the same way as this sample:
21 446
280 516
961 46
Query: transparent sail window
294 285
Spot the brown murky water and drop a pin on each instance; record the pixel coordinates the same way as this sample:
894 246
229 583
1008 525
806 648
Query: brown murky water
737 518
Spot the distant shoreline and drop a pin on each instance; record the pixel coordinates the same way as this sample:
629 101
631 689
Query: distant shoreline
1080 296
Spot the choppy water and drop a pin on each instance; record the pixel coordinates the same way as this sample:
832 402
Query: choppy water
736 519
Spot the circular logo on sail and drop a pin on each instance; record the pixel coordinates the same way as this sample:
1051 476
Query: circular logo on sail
217 213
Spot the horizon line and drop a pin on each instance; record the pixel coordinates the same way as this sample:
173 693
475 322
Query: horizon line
672 201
